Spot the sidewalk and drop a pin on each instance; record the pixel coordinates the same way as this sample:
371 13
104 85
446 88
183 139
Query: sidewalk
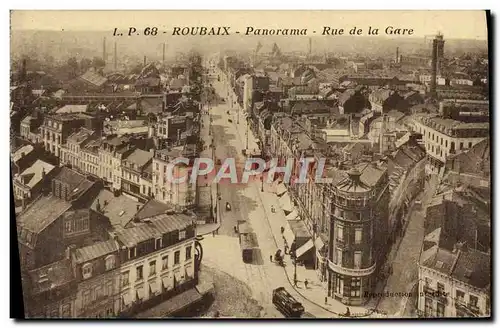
317 290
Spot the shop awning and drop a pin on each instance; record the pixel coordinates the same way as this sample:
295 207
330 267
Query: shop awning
127 299
178 276
286 203
153 286
288 235
205 288
292 216
140 293
304 248
172 305
318 243
280 189
166 282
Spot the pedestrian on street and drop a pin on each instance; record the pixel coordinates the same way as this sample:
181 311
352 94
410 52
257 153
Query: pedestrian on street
286 249
271 258
295 281
347 312
306 283
282 230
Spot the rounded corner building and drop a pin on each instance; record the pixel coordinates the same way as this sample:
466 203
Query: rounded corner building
358 233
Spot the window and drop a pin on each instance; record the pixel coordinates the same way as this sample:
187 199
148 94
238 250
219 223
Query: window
182 234
440 310
440 288
86 297
131 252
138 273
109 288
110 262
357 259
66 310
157 167
339 256
357 235
470 144
429 311
164 262
340 233
98 293
125 279
158 240
68 227
188 252
152 268
87 270
355 287
177 257
460 296
339 284
473 300
109 312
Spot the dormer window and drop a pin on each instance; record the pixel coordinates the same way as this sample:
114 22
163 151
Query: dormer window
87 270
182 234
110 262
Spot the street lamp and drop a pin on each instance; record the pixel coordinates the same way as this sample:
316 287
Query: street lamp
262 179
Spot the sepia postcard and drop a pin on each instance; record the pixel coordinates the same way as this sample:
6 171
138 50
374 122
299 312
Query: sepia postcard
251 164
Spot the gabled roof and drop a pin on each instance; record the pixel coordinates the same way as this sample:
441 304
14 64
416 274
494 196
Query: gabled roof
42 213
93 78
156 228
34 174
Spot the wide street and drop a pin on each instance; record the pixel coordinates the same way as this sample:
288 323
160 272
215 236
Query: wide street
222 251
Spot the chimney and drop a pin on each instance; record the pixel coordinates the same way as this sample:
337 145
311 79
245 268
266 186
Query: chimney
104 50
98 206
397 55
116 59
163 58
144 60
69 251
43 173
138 207
434 67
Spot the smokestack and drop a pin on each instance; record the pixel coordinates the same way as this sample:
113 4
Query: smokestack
397 55
163 58
144 60
116 58
310 46
23 70
104 50
434 68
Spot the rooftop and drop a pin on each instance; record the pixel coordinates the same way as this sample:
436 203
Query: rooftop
93 78
72 109
34 174
139 157
22 151
119 210
156 228
95 251
42 212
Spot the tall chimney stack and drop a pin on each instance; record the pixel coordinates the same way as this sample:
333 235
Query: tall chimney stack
163 58
144 60
310 46
434 68
116 58
104 50
397 55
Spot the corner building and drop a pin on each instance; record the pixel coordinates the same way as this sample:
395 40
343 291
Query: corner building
358 233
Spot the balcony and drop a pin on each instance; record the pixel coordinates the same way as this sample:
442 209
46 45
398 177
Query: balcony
351 271
469 308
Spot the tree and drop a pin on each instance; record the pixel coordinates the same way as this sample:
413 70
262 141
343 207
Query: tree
98 62
85 64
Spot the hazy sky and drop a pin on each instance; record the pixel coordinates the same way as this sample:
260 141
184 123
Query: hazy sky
452 24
